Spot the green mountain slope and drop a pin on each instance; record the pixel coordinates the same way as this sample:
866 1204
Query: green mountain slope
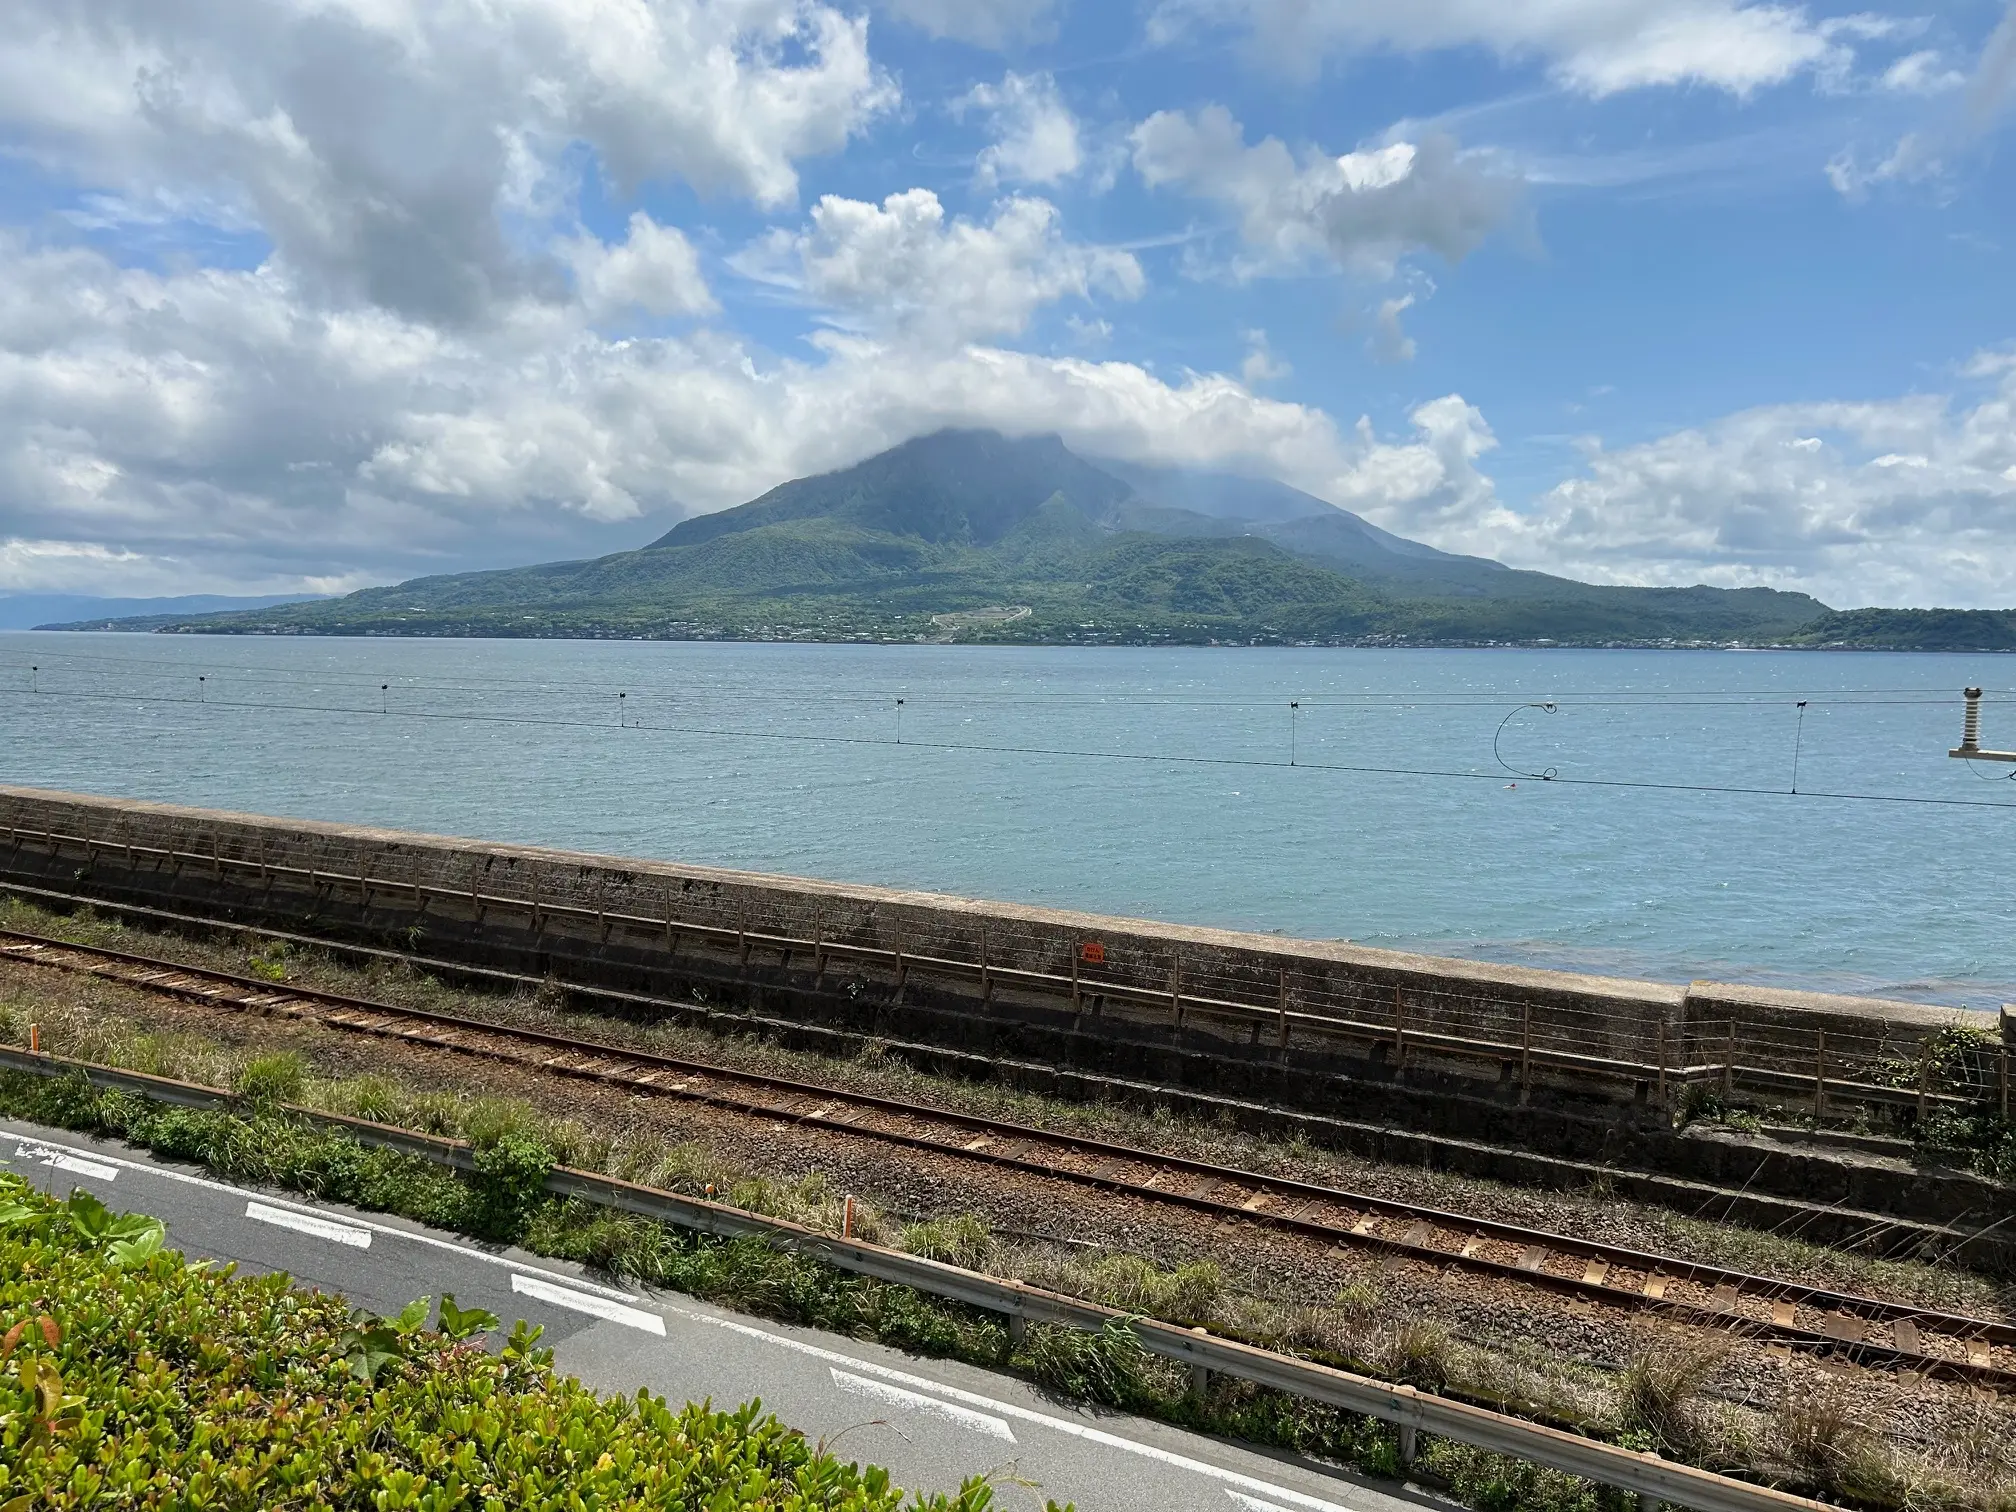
910 543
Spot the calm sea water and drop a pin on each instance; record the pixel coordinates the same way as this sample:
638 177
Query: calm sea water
1154 782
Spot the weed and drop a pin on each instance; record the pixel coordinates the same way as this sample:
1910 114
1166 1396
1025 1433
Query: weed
272 1079
1358 1301
1420 1353
963 1241
1104 1367
1659 1389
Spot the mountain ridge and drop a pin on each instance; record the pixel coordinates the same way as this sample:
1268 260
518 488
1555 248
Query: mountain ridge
951 527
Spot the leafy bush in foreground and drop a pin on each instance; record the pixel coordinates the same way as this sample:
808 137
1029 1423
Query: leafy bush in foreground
134 1380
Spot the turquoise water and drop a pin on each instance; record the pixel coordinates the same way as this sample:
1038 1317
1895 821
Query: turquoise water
1176 799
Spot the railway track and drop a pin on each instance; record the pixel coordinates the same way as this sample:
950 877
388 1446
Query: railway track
1779 1312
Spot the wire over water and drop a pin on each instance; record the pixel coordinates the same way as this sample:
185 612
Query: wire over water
911 743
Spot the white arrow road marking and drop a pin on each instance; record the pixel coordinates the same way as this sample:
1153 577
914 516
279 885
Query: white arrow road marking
301 1223
76 1165
913 1401
582 1302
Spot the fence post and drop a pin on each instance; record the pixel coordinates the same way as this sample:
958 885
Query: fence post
1284 1015
1820 1075
986 973
2004 1079
1729 1062
1176 994
896 934
742 937
1662 1065
1076 1005
475 897
1525 1051
1399 1032
818 942
1924 1077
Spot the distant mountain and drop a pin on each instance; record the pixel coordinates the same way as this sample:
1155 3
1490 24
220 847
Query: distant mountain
943 536
38 611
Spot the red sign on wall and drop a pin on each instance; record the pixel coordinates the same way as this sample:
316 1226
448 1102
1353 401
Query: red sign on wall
1092 953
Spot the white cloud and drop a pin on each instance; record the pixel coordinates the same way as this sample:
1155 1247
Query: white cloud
984 23
653 269
1390 341
1597 47
221 418
1908 501
904 267
1911 161
1921 73
1035 133
391 149
1363 210
1994 82
1261 366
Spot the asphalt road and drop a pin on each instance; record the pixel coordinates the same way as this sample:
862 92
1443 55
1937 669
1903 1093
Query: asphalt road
931 1422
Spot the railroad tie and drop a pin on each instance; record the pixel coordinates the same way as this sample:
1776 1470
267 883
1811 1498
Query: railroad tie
1655 1286
1785 1314
1723 1299
1534 1258
1417 1234
1905 1333
1473 1244
1594 1271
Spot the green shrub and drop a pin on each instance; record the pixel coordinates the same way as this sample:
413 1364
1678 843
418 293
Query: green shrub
162 1385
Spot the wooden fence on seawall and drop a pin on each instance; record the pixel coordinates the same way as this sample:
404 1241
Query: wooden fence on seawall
1247 994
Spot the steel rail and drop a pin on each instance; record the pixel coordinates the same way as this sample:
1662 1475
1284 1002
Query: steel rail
1869 1330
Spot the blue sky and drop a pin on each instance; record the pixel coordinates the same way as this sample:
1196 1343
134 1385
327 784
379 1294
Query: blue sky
319 293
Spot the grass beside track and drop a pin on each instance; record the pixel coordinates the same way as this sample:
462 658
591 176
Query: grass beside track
1811 1436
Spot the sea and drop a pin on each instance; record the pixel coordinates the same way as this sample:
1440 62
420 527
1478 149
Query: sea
1789 819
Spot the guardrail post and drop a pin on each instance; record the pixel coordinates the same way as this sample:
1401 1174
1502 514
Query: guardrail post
1410 1438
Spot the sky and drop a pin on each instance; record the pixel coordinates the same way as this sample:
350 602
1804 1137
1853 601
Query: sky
306 295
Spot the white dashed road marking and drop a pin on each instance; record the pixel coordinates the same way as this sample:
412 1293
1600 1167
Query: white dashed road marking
74 1164
301 1223
914 1401
1289 1499
583 1302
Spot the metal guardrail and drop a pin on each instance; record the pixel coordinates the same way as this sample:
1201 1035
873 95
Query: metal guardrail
1653 1479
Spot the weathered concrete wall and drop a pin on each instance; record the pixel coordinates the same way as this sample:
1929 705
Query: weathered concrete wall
1552 1061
